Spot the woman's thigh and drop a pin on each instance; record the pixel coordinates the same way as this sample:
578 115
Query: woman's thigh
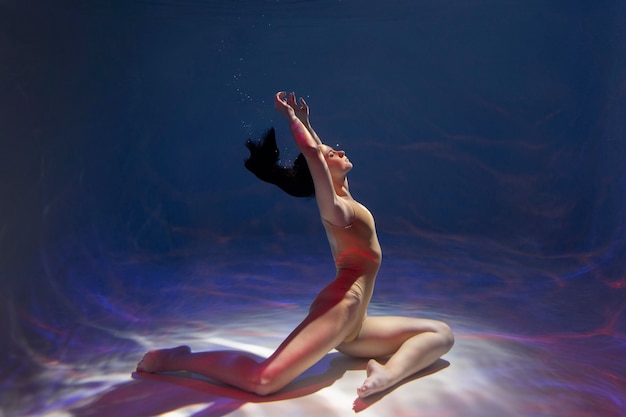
383 336
326 325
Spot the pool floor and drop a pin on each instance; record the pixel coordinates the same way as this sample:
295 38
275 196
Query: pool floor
534 337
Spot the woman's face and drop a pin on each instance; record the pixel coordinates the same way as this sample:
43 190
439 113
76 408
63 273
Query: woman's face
337 161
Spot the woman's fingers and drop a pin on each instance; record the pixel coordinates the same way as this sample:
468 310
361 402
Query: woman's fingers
284 100
291 100
279 99
280 96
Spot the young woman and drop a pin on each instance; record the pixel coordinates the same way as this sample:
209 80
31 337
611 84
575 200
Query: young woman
337 318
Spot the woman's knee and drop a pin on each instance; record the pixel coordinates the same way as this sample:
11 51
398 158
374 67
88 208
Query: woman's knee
267 380
445 333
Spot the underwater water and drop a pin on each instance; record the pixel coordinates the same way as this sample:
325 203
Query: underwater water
487 139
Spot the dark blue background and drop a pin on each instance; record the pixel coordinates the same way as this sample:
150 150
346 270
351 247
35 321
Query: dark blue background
122 127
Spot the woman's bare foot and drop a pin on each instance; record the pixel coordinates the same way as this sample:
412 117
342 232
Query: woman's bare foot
161 360
377 380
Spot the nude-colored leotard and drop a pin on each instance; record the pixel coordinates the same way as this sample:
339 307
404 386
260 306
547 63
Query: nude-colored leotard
357 256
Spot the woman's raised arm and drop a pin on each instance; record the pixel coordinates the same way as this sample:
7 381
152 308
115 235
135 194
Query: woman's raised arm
332 208
302 113
307 144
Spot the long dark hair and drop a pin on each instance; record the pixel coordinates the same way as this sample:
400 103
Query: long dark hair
264 163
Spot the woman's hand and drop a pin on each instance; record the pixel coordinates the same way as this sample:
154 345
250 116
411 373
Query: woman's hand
301 111
287 106
282 106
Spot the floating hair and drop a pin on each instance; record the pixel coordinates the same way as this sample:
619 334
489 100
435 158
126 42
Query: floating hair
264 162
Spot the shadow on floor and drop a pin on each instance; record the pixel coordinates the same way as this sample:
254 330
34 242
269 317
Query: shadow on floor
156 394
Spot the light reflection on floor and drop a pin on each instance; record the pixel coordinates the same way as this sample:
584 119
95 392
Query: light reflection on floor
521 349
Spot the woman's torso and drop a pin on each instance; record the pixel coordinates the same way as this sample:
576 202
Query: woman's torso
357 256
356 252
355 246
